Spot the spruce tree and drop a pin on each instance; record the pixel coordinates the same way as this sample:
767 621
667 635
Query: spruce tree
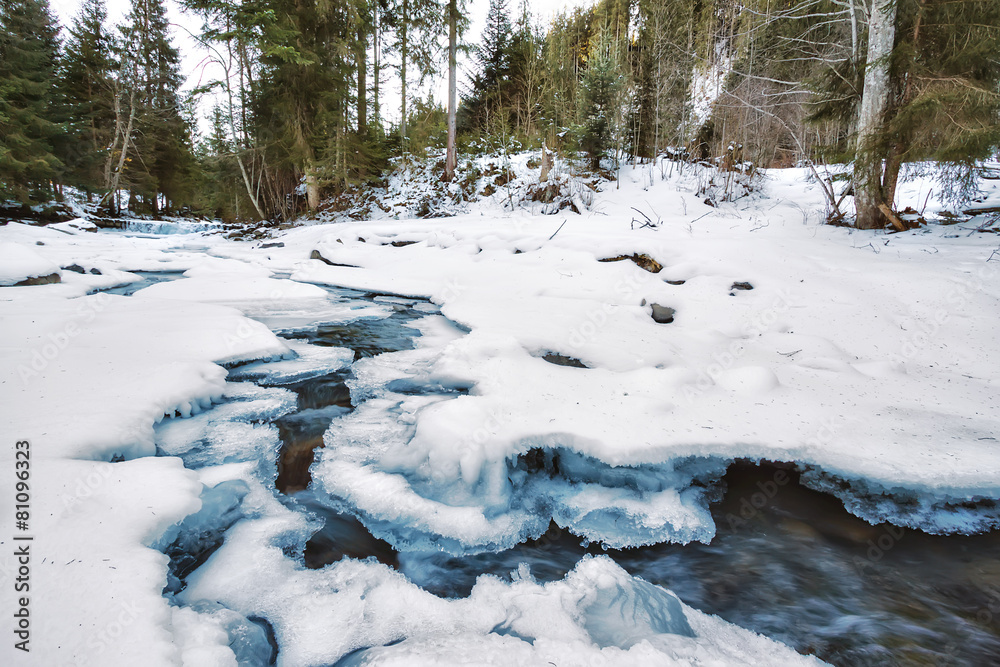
490 84
601 83
162 137
29 51
87 90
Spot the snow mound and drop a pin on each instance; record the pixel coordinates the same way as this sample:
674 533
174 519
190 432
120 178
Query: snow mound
19 262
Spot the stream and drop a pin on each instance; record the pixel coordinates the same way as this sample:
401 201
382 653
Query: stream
788 562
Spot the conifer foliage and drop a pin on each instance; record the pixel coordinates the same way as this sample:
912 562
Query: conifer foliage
303 104
29 107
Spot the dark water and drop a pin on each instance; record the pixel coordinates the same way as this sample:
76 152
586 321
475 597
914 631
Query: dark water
790 563
787 562
148 278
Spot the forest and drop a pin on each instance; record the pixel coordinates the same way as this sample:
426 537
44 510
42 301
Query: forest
312 98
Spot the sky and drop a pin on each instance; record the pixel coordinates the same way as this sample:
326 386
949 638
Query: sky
193 55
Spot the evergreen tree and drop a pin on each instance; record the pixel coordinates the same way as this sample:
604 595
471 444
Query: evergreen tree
601 84
29 50
937 98
87 91
162 138
490 87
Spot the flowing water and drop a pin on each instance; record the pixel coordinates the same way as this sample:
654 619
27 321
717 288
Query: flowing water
787 561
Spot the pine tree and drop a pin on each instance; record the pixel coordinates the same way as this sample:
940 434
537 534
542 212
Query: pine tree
29 51
87 91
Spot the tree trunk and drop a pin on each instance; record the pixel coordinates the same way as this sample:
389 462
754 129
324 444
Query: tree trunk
451 159
402 56
312 187
362 80
894 160
874 102
376 65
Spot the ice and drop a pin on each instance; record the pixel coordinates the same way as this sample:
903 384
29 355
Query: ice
233 287
934 512
160 227
417 501
310 361
149 357
191 541
597 614
287 316
210 635
237 430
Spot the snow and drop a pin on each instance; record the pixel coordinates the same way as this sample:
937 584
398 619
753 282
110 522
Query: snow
18 262
867 359
226 280
870 364
597 615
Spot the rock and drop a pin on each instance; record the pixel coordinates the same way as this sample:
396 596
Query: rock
563 360
402 244
644 262
39 243
316 255
663 314
742 286
279 244
40 280
675 282
96 272
75 268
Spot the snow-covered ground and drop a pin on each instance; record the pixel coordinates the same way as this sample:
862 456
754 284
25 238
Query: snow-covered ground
867 358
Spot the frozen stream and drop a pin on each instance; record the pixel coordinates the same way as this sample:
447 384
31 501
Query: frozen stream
787 562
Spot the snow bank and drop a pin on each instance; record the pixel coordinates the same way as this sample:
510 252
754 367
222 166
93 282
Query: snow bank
790 342
95 585
228 281
83 380
146 358
18 262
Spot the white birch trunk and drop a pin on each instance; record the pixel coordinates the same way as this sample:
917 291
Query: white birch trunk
451 159
874 101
